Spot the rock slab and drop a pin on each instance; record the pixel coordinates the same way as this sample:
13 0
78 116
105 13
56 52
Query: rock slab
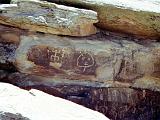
38 105
138 17
85 59
49 18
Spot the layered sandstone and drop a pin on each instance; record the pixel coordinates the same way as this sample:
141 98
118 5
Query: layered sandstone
107 72
138 17
85 59
115 74
102 57
49 18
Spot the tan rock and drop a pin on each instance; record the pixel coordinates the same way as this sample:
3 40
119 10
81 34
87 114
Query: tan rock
49 18
148 82
66 57
7 37
16 1
101 57
137 17
85 59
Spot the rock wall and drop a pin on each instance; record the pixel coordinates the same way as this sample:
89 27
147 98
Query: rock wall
116 74
137 17
116 100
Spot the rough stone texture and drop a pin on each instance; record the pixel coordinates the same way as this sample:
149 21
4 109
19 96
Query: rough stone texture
148 82
37 105
85 59
9 41
16 1
101 57
122 18
116 100
3 74
49 18
10 116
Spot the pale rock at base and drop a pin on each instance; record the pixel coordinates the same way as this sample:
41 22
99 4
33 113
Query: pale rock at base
37 105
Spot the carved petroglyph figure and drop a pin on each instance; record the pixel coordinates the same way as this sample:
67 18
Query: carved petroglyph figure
56 57
38 19
85 60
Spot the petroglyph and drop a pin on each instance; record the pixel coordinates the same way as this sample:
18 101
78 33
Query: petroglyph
40 19
85 60
56 56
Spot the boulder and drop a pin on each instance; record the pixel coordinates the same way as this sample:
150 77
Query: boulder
114 99
101 57
37 105
49 18
91 58
138 17
115 74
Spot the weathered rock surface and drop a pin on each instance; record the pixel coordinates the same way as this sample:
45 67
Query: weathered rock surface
101 57
10 116
115 74
49 18
85 59
138 17
37 105
9 41
16 1
148 82
115 100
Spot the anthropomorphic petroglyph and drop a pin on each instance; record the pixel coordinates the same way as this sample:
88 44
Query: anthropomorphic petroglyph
85 60
56 57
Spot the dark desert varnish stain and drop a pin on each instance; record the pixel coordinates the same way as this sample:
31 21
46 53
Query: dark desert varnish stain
57 60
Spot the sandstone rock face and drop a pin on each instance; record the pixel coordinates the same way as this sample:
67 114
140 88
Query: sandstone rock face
9 41
16 1
38 105
85 59
49 18
115 74
148 82
115 100
137 17
10 116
